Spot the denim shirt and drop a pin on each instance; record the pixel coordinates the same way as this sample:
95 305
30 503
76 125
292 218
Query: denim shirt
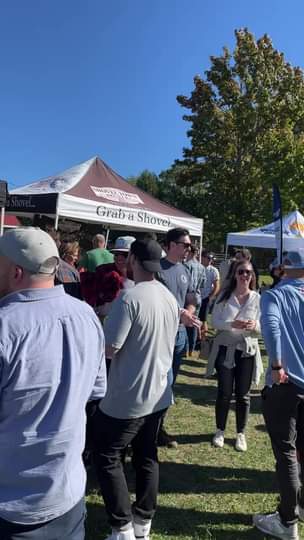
282 324
51 364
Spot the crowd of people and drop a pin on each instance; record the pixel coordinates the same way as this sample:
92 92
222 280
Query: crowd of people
91 346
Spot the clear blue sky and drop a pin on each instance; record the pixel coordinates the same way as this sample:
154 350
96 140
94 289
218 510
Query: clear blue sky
86 77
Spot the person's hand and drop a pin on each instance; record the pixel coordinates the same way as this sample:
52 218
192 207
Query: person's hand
279 376
188 319
250 325
239 325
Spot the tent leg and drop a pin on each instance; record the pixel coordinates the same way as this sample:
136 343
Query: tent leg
226 252
107 237
56 222
201 244
2 221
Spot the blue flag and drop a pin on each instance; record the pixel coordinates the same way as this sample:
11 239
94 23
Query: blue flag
277 218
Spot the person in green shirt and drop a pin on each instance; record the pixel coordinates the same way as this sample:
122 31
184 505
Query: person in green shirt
96 256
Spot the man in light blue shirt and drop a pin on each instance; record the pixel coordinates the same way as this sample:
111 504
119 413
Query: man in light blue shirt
283 398
51 364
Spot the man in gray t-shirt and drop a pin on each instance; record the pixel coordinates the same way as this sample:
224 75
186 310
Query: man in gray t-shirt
140 336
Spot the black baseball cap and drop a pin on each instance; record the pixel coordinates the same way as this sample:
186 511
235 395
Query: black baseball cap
149 253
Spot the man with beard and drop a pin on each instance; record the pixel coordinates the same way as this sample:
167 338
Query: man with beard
51 365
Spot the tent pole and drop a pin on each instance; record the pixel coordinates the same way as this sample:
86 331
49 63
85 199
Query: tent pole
2 221
57 213
201 243
56 222
226 251
107 238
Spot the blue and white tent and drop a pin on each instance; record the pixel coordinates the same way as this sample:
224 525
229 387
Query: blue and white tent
264 237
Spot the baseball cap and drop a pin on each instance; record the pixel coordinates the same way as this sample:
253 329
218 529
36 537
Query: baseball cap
149 253
294 259
123 243
31 248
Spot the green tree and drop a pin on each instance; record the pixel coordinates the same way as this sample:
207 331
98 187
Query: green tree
147 181
247 131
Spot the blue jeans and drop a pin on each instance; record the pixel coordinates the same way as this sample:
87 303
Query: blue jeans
69 526
180 349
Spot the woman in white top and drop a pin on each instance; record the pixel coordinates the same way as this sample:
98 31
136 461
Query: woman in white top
235 349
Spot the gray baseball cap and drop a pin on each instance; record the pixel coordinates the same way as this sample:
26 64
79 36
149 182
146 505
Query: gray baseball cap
31 248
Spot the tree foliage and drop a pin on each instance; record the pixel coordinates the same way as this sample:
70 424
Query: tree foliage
148 181
247 131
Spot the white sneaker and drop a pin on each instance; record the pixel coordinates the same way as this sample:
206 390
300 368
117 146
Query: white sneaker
142 530
240 443
218 439
271 524
122 535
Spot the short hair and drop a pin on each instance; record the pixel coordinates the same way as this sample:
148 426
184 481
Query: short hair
97 239
174 234
194 249
245 253
207 254
150 236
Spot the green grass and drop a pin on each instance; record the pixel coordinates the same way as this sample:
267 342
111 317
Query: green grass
205 493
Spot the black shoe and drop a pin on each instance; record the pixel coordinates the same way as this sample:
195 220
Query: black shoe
164 439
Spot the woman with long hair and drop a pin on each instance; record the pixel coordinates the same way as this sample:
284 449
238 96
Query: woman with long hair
235 353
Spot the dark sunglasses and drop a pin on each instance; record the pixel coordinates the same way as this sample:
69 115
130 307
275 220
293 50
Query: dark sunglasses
185 244
243 271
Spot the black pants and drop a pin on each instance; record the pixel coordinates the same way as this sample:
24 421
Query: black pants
203 312
238 379
112 438
283 410
69 526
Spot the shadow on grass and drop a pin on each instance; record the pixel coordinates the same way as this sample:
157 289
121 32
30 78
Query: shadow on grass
188 478
192 479
206 395
181 522
199 363
190 374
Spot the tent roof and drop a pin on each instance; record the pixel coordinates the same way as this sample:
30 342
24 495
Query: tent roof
92 191
264 237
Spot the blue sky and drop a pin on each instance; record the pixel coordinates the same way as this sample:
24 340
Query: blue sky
100 77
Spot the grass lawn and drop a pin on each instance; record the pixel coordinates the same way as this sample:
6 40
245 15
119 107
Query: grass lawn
205 493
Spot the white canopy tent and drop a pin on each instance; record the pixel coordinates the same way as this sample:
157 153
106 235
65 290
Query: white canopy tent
264 237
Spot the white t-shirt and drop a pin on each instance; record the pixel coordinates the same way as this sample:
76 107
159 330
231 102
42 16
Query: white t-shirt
142 325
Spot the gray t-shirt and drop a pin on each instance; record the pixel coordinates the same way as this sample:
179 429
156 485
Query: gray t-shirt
142 325
177 278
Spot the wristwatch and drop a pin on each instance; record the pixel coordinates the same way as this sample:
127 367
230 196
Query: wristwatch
276 368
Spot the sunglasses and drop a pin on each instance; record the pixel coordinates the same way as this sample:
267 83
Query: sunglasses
244 272
186 245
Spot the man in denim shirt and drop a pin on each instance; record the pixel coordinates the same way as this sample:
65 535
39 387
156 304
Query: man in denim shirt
51 365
